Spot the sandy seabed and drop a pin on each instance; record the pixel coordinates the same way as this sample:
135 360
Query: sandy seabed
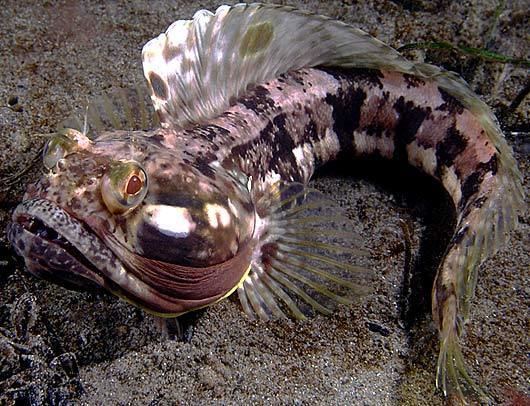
64 347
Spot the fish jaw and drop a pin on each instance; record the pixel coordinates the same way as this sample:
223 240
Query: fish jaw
58 247
48 255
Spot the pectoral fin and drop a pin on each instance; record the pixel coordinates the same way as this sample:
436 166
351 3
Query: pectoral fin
304 262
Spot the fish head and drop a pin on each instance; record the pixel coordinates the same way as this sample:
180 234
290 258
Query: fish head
122 212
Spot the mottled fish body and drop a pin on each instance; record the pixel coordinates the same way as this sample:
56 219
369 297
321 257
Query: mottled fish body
214 200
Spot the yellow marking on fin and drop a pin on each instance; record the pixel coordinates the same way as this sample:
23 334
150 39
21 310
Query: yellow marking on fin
232 290
257 38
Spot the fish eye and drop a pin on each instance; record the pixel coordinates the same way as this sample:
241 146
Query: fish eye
59 146
124 186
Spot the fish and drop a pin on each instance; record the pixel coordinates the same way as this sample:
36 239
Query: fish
209 196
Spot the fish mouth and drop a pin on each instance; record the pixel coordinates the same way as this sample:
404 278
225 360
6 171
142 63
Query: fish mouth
56 246
65 250
60 248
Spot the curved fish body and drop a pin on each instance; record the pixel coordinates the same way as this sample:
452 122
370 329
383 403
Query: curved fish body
215 200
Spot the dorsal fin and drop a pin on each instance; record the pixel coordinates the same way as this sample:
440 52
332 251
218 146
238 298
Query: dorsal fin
117 109
198 66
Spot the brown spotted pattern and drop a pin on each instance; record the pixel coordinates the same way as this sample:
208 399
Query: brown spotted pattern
316 114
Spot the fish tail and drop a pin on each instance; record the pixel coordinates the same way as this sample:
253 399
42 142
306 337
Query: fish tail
482 227
452 375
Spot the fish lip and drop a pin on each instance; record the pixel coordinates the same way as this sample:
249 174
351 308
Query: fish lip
93 260
75 276
38 232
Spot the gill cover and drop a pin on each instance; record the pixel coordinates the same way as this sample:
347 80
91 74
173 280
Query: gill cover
190 240
191 219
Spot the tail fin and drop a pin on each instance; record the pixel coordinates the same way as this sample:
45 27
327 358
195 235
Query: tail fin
451 371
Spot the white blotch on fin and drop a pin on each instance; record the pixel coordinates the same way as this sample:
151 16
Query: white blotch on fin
118 109
198 66
303 261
